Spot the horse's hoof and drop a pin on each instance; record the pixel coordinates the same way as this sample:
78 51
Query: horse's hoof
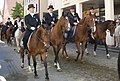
76 60
36 77
67 57
55 65
94 55
22 66
46 79
87 53
82 62
59 70
108 56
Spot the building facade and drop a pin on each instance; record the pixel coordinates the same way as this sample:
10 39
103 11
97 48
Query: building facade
108 9
8 5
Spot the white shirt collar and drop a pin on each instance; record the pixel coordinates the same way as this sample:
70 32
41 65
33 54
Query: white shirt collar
51 14
73 13
32 14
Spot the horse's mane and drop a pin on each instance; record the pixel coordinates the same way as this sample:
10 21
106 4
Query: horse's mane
81 22
106 23
60 20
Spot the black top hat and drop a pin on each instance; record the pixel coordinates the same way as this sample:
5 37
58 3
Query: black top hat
72 7
8 18
50 6
91 8
30 6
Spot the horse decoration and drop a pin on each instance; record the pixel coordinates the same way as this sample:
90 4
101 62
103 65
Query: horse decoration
38 44
80 36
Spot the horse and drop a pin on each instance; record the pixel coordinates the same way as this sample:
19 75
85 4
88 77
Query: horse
37 44
80 36
57 38
3 32
17 35
9 35
100 34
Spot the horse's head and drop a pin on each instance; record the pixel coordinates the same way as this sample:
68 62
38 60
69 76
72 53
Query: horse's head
111 27
64 22
90 20
43 36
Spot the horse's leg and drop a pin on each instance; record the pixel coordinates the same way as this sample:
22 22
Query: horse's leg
43 57
29 66
34 64
95 47
78 50
106 47
83 49
22 57
64 50
17 42
86 50
56 51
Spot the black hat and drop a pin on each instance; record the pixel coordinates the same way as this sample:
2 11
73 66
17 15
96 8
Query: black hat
30 6
91 8
72 7
50 6
8 18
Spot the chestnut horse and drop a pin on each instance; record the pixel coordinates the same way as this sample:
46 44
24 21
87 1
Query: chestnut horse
81 36
57 38
100 34
9 35
37 44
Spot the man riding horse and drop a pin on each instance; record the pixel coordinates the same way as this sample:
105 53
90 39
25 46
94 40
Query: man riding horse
73 20
32 22
50 17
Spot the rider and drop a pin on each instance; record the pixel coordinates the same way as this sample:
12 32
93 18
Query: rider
8 23
16 24
92 13
50 17
73 19
32 22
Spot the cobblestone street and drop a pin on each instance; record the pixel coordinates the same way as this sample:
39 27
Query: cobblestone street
97 68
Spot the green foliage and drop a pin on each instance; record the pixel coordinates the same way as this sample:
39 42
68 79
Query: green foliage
17 10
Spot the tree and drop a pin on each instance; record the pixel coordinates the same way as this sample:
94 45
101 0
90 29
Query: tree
17 10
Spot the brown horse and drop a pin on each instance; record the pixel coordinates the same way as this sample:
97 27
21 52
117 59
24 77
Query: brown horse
57 38
81 36
9 35
100 33
38 44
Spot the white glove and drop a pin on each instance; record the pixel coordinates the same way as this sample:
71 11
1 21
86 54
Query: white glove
38 26
32 28
75 23
52 22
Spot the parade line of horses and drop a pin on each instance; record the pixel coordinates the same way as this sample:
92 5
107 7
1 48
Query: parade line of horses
42 39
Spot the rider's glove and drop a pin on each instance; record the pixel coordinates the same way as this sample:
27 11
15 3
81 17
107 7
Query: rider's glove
32 28
52 22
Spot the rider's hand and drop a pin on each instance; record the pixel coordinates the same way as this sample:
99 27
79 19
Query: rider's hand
75 23
32 28
38 26
52 22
